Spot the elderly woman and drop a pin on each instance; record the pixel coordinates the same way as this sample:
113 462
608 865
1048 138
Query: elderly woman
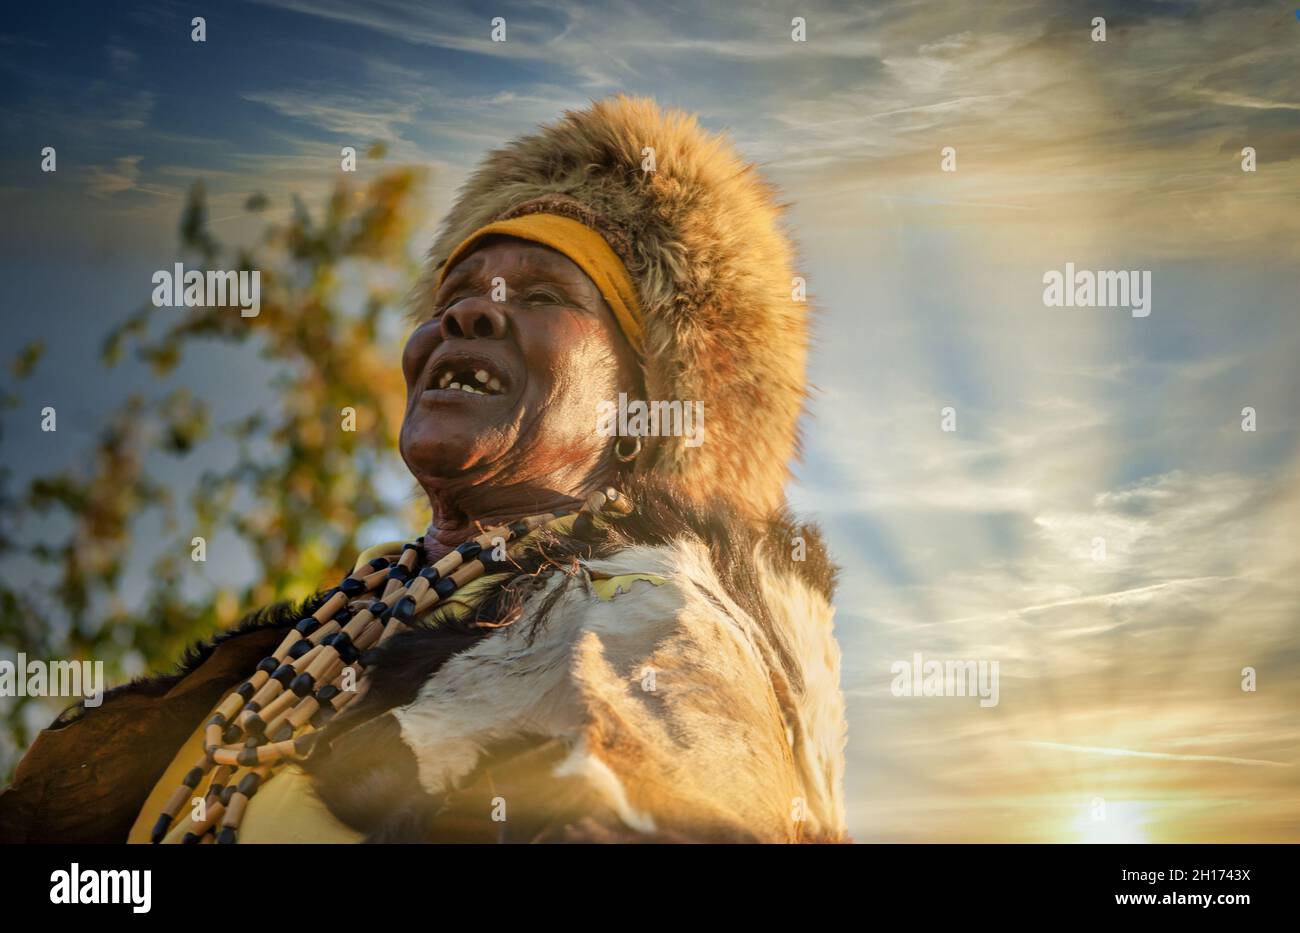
597 637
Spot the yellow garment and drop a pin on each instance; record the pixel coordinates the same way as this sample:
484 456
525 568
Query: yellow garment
585 247
286 807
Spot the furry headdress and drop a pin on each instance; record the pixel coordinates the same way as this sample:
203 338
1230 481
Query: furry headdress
700 235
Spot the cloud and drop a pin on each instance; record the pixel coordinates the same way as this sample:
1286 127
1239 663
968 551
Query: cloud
1157 756
123 176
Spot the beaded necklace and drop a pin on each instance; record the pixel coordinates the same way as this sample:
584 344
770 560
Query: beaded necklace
276 715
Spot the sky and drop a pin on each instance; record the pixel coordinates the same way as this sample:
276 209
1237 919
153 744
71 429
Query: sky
1121 676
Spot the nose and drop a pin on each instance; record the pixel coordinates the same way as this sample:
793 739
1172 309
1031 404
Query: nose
475 318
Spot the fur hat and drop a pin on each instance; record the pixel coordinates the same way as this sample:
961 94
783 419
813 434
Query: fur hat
701 237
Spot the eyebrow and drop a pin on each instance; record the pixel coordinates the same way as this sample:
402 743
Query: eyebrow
472 265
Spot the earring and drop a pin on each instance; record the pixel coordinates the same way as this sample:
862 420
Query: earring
623 452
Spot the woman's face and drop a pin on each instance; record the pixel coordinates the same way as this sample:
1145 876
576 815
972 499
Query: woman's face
537 353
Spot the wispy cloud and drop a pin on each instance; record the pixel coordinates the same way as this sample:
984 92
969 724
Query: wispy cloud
1157 756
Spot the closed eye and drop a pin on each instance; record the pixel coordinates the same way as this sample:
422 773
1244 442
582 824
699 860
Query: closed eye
543 296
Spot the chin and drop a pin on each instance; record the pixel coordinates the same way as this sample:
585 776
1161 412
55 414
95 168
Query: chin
444 455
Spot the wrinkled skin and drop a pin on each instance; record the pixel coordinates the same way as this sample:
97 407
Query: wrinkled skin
555 350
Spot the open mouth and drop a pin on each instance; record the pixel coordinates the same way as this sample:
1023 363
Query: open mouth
474 377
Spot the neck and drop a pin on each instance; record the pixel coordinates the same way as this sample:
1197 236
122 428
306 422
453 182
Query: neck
461 514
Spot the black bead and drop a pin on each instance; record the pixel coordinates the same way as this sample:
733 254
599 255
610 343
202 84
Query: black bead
495 566
303 684
519 529
189 839
403 610
399 573
343 616
431 575
379 563
231 735
306 626
226 837
326 695
408 546
247 758
248 786
351 587
301 648
342 643
377 608
469 550
254 725
284 673
191 779
246 690
228 794
160 828
268 664
445 588
217 720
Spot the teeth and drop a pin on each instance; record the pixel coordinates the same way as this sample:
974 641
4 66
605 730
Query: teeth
486 381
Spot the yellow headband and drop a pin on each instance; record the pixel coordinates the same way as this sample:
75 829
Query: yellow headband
584 246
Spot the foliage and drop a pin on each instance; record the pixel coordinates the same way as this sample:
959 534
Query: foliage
297 489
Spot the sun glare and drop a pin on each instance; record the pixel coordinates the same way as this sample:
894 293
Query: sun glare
1120 822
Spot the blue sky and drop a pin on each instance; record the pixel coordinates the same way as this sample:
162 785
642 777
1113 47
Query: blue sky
1072 423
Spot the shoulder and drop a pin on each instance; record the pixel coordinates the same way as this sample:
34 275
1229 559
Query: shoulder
686 661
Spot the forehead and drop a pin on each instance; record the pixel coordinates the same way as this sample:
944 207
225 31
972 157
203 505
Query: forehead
496 254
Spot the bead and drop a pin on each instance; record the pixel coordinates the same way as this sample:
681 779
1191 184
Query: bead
306 626
379 563
226 837
304 683
341 643
160 828
298 650
267 665
254 725
248 786
191 780
284 673
470 550
410 547
445 588
351 587
377 608
399 573
343 616
403 610
431 574
246 690
326 694
518 529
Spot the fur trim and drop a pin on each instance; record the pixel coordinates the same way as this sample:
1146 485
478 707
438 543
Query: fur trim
702 239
